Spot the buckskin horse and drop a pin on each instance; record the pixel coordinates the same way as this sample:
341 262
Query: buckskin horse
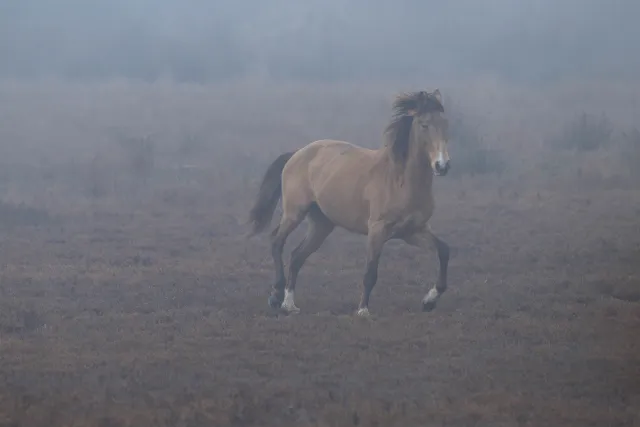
383 193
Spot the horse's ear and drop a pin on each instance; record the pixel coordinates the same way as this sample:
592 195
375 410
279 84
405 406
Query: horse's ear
437 95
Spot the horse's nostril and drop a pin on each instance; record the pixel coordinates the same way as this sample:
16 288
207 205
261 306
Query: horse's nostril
441 168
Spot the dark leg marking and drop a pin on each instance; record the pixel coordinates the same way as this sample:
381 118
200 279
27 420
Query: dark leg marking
376 239
278 240
425 241
319 229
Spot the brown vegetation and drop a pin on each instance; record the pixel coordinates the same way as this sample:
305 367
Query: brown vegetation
129 297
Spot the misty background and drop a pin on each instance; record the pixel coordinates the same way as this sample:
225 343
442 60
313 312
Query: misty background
318 40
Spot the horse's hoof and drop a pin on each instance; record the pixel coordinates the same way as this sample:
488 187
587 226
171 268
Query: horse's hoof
274 302
428 306
429 300
363 312
290 309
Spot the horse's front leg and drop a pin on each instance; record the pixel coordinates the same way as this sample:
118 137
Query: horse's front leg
377 236
427 240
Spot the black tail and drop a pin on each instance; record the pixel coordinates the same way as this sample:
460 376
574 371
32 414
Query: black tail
269 195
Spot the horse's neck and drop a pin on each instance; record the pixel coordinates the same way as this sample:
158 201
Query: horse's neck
411 181
417 173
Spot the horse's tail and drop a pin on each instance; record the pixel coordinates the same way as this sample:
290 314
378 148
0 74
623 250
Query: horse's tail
268 195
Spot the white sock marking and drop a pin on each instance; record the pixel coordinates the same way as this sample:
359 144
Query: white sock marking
363 312
288 303
431 296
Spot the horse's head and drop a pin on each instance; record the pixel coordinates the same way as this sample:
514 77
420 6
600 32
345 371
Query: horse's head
419 121
430 130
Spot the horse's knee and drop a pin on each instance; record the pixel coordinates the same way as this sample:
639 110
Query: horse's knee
277 244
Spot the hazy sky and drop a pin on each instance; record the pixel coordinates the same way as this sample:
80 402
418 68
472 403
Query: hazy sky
198 40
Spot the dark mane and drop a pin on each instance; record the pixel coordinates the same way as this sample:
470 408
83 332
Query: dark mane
405 107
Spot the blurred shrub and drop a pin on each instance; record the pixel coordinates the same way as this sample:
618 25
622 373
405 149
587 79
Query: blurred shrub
140 154
20 215
630 152
469 152
585 133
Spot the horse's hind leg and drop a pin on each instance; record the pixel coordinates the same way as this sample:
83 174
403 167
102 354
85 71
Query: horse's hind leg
319 229
291 218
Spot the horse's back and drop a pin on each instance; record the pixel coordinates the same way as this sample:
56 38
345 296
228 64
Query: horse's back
325 151
327 157
329 146
333 174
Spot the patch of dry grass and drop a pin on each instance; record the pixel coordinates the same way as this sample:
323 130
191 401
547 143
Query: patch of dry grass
131 302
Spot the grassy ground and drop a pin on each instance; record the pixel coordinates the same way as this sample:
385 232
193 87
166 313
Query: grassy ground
129 297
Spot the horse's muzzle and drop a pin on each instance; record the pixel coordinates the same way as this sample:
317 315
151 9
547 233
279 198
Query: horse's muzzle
441 169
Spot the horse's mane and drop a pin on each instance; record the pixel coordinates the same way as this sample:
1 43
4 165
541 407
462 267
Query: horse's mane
405 107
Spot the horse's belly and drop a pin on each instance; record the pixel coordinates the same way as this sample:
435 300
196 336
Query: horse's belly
344 206
337 177
346 220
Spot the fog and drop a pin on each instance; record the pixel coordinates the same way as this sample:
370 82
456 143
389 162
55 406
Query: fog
134 138
328 40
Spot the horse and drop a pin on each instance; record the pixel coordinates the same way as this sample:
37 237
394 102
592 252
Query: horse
383 193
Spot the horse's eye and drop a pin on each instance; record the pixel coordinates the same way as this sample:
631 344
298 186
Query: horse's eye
424 125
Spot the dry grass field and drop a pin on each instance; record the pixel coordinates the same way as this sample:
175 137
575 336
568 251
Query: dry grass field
129 297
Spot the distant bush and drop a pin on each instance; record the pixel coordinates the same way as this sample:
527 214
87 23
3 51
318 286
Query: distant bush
630 151
20 215
97 182
190 147
469 153
140 154
585 133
